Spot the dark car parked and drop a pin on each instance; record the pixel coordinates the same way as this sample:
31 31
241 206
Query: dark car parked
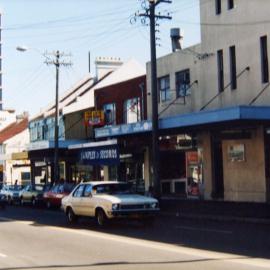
54 196
3 200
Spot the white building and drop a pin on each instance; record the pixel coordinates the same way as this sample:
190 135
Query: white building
218 93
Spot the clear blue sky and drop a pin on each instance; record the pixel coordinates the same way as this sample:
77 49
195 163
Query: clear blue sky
77 26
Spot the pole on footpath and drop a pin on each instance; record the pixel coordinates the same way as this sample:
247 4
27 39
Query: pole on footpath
57 64
151 14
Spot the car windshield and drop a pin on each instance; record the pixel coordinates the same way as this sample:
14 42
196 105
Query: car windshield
122 188
16 188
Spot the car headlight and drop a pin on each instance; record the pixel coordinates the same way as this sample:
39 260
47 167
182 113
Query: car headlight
2 197
115 206
154 205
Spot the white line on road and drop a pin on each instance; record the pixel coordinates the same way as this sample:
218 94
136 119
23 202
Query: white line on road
203 230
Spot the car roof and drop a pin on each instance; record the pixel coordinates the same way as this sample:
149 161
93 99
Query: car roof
94 183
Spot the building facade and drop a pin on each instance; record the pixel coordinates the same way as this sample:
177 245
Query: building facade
216 96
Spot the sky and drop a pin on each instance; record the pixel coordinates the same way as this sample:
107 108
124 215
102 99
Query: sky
77 27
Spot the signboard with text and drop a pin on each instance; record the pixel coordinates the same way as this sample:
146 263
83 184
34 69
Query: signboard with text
102 155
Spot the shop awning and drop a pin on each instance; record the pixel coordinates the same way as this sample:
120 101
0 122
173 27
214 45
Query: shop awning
41 145
190 120
230 114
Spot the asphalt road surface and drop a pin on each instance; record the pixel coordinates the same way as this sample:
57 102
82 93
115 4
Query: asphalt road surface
41 239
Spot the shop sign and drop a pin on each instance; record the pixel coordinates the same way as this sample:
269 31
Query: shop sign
104 155
236 153
94 118
123 129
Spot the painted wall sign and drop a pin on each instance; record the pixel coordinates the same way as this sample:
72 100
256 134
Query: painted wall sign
123 129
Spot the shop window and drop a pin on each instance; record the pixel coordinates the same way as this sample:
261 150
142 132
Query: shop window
132 110
112 172
110 114
164 88
25 176
182 80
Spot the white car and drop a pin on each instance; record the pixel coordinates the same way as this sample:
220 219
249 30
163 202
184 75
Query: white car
108 200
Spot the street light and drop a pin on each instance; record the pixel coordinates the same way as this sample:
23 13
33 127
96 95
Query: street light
56 126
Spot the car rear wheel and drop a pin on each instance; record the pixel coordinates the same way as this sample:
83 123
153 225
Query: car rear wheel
101 218
34 201
48 204
21 201
9 200
71 217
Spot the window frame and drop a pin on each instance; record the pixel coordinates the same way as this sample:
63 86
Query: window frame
264 59
230 4
218 7
127 108
166 89
113 116
185 83
233 67
220 69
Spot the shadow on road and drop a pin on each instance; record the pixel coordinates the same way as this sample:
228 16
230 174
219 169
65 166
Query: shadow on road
249 240
118 263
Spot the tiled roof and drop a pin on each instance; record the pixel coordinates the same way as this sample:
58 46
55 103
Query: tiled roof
13 129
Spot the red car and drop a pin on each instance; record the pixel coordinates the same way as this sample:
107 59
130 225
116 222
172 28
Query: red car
54 196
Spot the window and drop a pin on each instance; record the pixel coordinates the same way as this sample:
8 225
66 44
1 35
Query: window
87 191
218 7
132 110
79 191
233 68
110 114
220 71
264 60
164 88
182 80
230 4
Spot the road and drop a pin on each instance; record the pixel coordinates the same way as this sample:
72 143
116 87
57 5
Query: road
40 239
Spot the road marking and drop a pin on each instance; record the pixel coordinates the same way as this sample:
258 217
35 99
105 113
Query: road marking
203 230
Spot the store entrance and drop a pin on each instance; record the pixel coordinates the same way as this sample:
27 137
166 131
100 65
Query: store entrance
267 164
217 168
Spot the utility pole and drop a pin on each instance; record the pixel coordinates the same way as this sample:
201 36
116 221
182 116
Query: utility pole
57 64
150 12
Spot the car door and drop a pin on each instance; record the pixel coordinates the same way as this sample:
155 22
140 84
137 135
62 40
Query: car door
76 200
87 202
27 195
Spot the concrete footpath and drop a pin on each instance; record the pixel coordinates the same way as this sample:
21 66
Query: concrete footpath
216 210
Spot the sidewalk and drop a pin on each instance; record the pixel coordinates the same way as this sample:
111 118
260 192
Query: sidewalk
216 210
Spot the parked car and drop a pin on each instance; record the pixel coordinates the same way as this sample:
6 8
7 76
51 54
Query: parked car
33 194
106 201
54 196
12 193
3 200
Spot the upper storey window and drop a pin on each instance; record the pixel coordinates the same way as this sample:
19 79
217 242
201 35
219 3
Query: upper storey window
218 7
164 88
230 4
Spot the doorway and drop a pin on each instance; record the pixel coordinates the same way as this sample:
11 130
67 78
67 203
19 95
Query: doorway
217 167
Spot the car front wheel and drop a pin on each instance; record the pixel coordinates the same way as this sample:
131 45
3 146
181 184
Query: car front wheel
101 218
71 217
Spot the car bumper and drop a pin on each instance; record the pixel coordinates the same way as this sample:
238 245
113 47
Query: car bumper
3 203
140 213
